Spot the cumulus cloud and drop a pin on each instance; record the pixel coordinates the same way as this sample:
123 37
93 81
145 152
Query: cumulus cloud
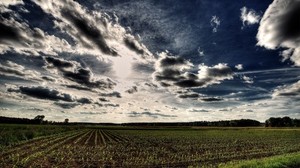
247 79
215 22
239 67
171 70
280 27
249 16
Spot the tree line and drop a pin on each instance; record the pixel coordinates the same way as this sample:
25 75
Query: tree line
271 122
39 119
282 122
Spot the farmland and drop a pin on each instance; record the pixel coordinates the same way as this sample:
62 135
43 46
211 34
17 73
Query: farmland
96 146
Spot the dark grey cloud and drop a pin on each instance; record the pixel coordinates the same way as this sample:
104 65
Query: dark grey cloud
198 110
40 92
60 63
93 113
85 100
211 99
73 71
112 94
43 93
133 44
66 105
48 78
111 105
102 99
150 114
193 95
86 29
78 87
8 33
188 95
132 90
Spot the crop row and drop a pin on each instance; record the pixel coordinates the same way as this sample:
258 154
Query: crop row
151 148
55 149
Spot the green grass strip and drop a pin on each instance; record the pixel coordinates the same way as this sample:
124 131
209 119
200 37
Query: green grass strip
287 161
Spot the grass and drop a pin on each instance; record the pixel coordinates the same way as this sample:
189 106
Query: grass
11 134
282 161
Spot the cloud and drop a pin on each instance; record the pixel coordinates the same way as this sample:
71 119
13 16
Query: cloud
60 63
200 52
189 95
19 37
132 90
73 71
66 105
171 70
215 22
211 99
247 79
103 99
249 16
280 27
288 91
11 2
207 76
239 67
197 110
150 114
92 31
14 69
43 93
112 94
85 100
93 113
134 45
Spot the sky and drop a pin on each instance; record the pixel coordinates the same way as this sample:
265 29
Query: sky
149 60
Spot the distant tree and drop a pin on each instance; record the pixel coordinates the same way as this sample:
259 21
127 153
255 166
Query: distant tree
281 122
39 119
66 121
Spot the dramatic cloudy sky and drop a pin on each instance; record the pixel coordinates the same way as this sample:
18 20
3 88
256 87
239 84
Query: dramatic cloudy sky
149 60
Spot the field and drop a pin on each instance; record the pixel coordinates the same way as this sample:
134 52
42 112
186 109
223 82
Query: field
69 146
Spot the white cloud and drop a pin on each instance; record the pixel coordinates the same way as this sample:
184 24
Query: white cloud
249 16
11 2
239 67
247 79
200 52
215 22
279 28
